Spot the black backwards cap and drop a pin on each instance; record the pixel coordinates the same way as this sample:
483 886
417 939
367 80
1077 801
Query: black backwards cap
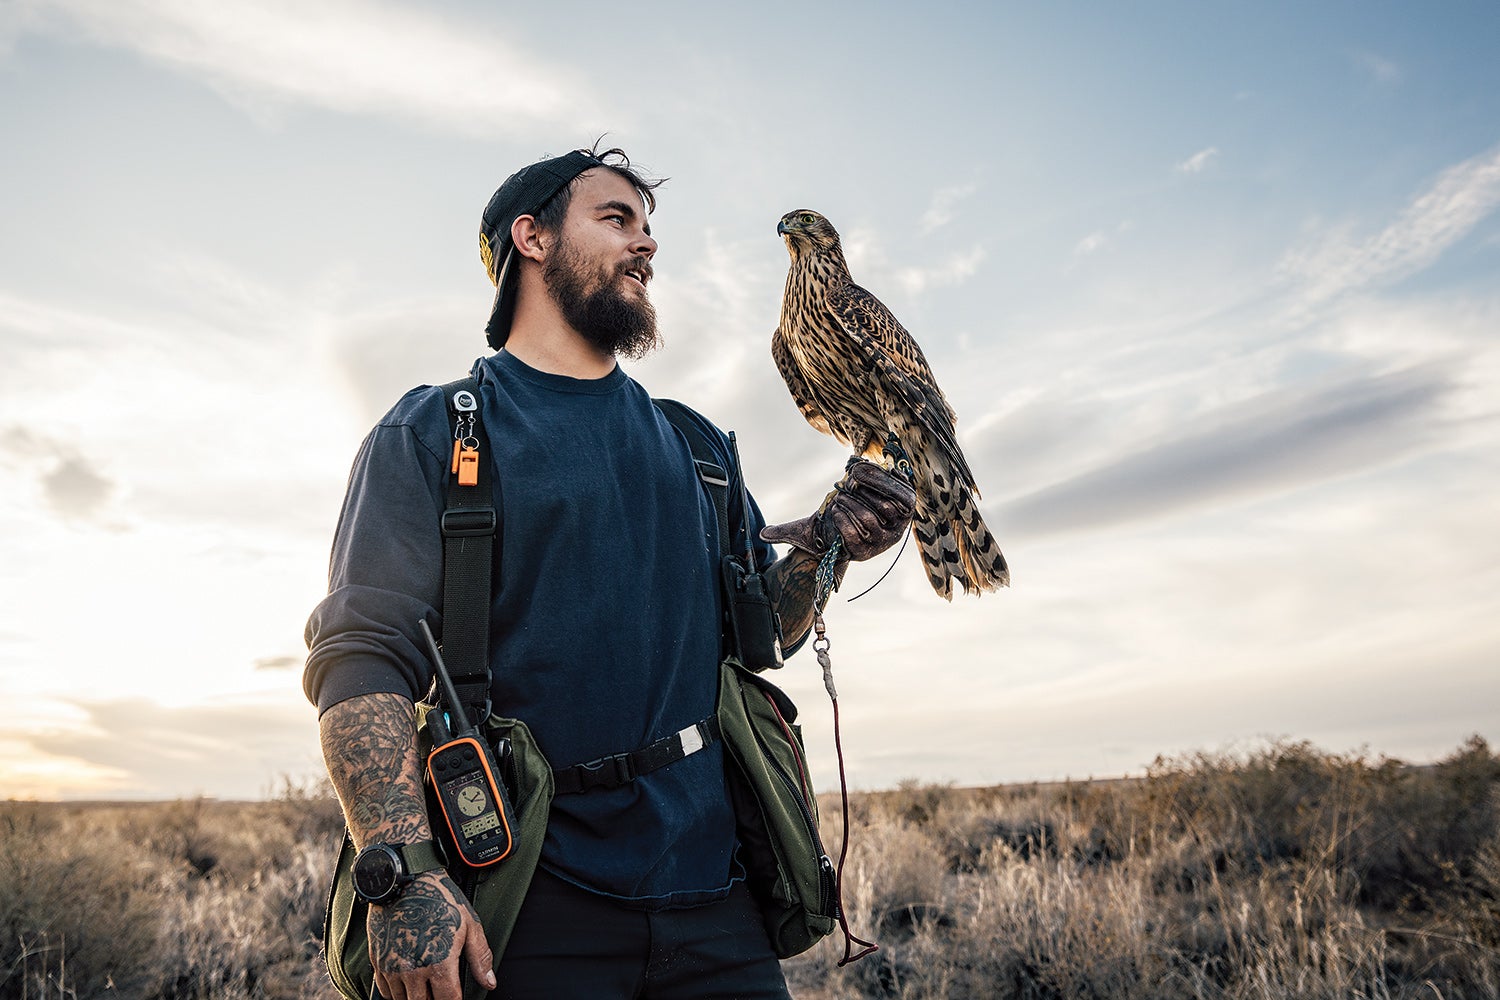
524 192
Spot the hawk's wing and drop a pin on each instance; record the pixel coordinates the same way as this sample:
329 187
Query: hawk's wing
801 392
895 355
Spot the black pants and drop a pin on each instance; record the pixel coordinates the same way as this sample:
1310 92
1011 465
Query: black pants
569 944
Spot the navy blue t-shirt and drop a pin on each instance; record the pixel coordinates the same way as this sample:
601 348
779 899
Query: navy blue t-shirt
605 624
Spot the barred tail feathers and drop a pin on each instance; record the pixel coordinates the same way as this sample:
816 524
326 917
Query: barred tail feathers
984 564
938 548
956 546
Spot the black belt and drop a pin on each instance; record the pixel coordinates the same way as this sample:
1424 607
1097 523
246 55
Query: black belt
623 768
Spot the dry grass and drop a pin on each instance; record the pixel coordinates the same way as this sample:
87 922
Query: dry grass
1277 874
178 900
1283 873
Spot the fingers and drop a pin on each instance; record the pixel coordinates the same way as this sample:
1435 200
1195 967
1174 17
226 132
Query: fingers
477 952
439 982
871 510
869 480
386 987
801 534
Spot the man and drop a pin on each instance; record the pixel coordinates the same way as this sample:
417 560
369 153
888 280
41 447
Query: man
605 622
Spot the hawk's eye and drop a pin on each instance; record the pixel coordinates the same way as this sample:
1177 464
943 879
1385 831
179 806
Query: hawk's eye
807 217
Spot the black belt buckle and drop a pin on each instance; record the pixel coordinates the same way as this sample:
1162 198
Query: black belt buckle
606 772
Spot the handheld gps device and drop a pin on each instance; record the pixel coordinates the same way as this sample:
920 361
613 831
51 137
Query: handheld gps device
465 778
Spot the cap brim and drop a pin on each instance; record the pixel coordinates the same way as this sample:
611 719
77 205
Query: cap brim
498 328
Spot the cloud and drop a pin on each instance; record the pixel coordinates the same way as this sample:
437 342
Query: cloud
1276 442
1199 161
146 750
75 490
955 270
1097 240
940 211
1090 243
354 56
71 484
1435 220
282 662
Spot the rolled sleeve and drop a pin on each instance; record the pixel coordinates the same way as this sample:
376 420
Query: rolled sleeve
385 571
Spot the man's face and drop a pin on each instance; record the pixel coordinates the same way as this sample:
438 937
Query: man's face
600 264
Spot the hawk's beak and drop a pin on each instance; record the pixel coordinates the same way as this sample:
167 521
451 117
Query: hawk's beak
782 228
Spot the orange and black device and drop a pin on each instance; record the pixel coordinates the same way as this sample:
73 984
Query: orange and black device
466 778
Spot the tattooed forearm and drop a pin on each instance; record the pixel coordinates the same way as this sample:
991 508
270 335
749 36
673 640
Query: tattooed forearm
369 745
793 581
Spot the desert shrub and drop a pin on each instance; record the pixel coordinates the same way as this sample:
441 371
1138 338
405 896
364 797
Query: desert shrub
1280 873
76 911
1393 835
179 900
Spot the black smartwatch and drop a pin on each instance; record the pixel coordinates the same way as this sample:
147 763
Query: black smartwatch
383 871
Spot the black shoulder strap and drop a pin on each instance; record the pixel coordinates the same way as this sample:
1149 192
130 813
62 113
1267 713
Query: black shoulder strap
469 531
714 477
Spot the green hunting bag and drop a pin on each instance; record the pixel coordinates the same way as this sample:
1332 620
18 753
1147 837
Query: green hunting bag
496 892
775 809
776 812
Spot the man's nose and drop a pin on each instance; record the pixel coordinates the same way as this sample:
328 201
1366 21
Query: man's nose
645 245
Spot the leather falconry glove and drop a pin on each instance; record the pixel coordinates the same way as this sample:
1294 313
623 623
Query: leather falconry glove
869 509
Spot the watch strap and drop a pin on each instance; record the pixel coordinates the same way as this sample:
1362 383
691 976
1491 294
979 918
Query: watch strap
421 857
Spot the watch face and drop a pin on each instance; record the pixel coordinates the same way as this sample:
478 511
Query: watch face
375 873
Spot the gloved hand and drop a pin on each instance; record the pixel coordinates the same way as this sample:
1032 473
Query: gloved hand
869 509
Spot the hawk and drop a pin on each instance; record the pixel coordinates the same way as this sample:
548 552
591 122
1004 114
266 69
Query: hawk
856 374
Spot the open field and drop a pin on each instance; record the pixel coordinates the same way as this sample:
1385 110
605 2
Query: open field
1280 873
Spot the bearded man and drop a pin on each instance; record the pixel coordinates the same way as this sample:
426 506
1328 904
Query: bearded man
605 624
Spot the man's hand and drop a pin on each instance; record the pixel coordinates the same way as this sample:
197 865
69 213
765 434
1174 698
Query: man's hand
417 942
869 510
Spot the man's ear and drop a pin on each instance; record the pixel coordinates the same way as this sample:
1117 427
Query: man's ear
527 237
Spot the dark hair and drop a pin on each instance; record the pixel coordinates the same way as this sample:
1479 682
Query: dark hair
551 215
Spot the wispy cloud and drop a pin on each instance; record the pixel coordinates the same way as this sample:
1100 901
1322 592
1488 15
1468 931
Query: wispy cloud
954 270
1199 161
940 211
142 749
1438 218
358 56
1098 240
1090 243
1270 444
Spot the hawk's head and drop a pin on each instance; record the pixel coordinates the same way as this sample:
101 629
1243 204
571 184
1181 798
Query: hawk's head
806 231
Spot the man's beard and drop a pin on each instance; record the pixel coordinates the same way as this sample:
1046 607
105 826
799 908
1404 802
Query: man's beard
605 317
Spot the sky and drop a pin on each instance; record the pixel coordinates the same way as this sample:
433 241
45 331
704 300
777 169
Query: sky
1212 288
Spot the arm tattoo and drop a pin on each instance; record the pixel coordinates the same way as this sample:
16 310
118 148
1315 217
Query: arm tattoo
370 746
417 930
793 582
